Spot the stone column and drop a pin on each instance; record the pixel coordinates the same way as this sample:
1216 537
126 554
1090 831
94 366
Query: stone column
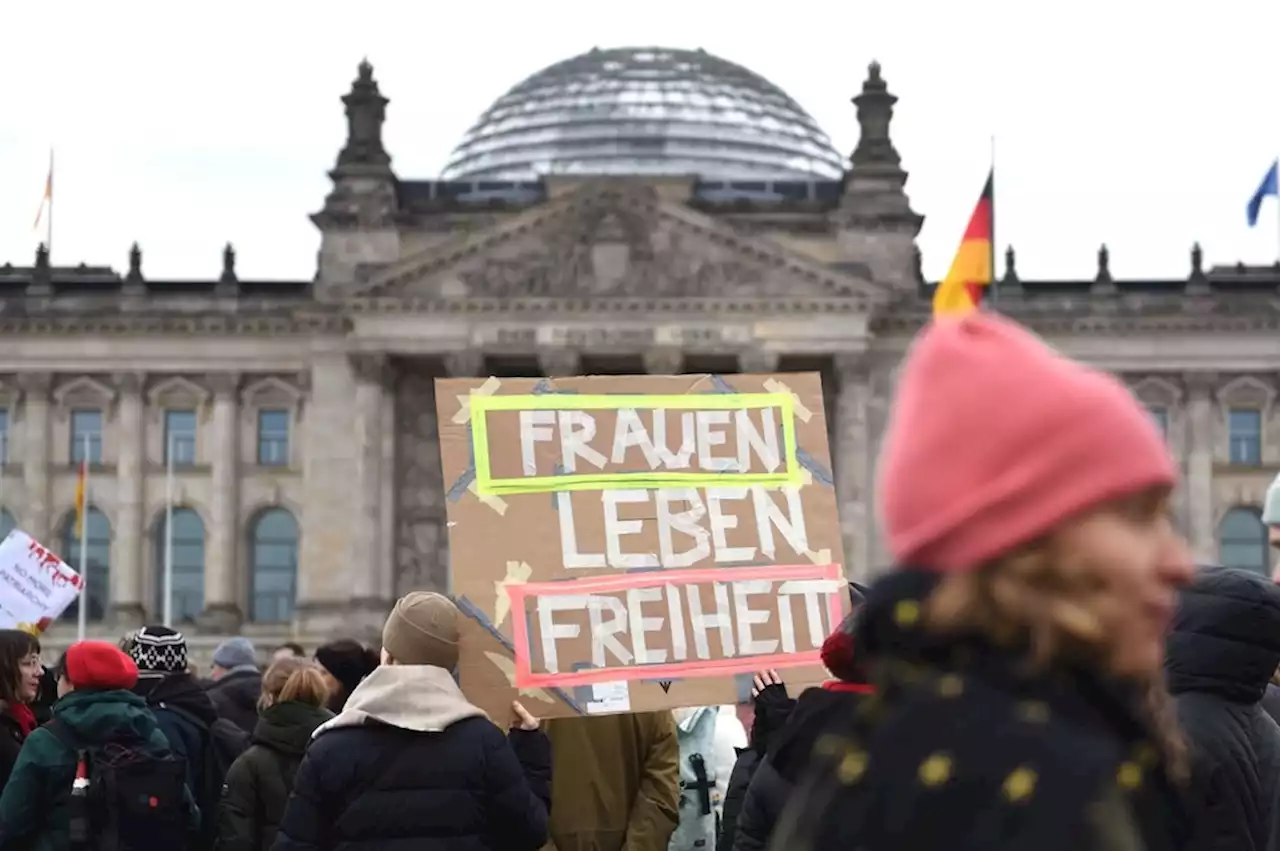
363 559
757 361
1200 454
127 580
851 456
664 361
387 458
34 516
558 363
221 583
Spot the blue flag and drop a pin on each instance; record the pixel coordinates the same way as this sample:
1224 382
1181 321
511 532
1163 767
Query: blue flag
1270 186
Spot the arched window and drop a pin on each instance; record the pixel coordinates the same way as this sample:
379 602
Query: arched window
188 565
7 523
97 534
1243 541
273 566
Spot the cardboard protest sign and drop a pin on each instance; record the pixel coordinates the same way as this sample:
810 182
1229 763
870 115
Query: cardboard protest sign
35 585
635 543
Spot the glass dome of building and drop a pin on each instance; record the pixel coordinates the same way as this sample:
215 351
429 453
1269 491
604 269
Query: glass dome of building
645 111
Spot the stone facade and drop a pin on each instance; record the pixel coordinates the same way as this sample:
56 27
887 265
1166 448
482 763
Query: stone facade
423 279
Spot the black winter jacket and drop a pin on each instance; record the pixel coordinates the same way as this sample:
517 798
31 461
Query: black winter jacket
260 780
409 765
773 705
1223 649
181 705
1271 702
235 696
11 739
967 746
816 712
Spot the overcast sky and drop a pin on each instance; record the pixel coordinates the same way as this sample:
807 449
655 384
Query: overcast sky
1141 124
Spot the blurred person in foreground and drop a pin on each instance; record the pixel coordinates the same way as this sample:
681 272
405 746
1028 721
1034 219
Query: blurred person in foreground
1017 648
411 765
1223 649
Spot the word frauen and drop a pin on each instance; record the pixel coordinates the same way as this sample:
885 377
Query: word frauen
704 437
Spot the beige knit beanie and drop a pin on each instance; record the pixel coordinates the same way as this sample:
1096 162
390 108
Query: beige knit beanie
423 630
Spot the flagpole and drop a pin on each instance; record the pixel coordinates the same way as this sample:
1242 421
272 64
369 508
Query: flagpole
48 245
168 533
995 279
82 615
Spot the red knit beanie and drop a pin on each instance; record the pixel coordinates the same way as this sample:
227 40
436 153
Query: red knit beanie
99 665
994 439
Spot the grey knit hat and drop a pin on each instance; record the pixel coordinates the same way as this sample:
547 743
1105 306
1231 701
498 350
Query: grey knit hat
235 653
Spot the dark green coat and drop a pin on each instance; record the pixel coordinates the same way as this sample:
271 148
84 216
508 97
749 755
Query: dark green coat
34 806
260 780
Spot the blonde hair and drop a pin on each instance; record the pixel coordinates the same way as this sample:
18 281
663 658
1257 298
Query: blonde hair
293 678
1056 604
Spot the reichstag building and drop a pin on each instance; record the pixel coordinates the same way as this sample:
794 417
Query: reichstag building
623 211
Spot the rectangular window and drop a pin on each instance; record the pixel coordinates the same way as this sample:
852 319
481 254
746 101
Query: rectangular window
4 437
86 436
1161 417
1244 431
273 438
180 437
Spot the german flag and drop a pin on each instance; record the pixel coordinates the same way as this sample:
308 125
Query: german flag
973 268
82 486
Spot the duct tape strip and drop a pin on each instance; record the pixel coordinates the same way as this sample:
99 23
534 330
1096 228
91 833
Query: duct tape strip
497 503
773 385
463 415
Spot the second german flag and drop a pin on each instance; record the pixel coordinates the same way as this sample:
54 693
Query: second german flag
973 269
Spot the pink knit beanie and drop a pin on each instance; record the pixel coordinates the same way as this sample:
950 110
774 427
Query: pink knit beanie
994 439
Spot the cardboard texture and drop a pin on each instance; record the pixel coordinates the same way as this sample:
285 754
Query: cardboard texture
632 543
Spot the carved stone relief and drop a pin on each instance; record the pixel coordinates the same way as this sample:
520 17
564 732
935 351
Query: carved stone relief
421 546
613 245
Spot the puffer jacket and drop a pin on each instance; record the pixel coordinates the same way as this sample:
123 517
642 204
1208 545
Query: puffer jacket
260 780
772 706
35 807
787 751
235 696
966 745
410 765
1222 651
180 706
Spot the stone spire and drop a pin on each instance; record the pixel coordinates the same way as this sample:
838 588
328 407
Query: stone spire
358 223
366 112
875 111
877 226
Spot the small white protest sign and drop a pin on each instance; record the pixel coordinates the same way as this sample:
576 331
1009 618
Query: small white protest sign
35 585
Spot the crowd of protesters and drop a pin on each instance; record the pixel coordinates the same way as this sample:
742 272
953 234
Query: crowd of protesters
1043 668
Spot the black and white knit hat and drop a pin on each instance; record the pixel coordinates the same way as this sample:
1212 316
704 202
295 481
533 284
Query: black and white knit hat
158 650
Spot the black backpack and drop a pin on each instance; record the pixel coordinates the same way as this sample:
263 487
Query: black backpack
221 742
125 797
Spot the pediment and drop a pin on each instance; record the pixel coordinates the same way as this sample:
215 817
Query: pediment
614 239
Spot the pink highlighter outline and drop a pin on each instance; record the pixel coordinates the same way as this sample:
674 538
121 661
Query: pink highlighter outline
519 594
